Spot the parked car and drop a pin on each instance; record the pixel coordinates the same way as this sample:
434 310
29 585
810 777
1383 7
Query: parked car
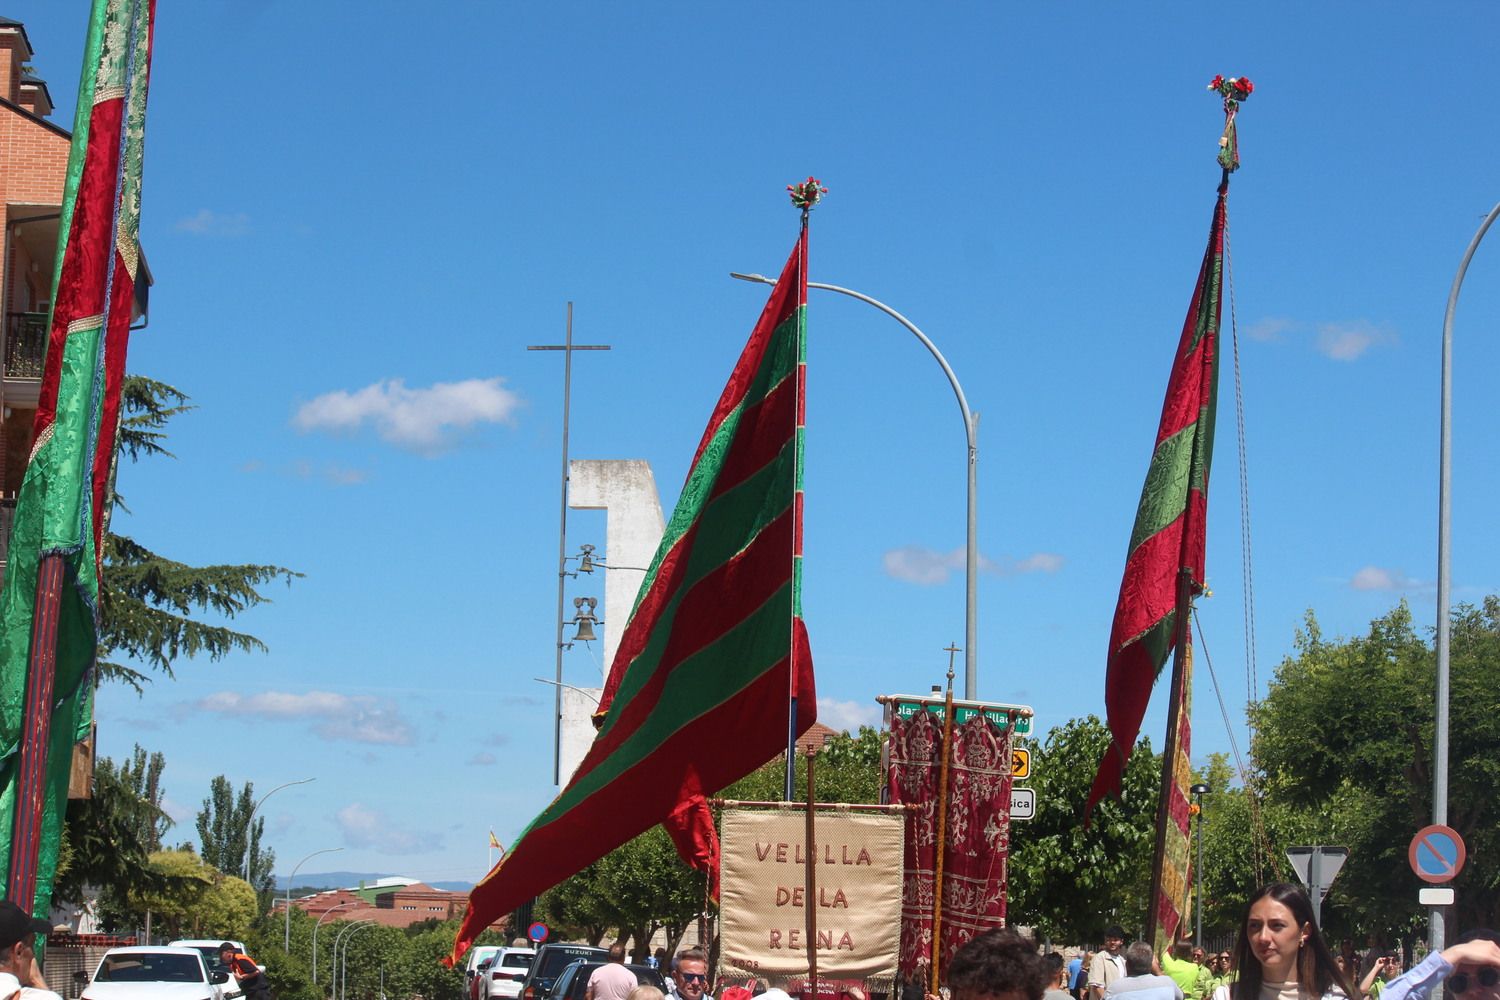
550 960
209 949
478 954
154 974
502 980
573 983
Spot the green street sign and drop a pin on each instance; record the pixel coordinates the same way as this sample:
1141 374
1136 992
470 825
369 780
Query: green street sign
1000 713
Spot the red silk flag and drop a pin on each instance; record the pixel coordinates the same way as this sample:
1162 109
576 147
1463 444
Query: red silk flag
1168 538
49 606
715 651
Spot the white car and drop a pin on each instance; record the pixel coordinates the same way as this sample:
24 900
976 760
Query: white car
209 949
154 974
503 980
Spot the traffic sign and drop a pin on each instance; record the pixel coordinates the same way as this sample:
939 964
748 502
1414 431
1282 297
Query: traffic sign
1020 762
1437 853
998 712
1022 803
1317 867
537 932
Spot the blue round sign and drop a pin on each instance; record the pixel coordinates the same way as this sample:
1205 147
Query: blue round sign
1437 853
537 932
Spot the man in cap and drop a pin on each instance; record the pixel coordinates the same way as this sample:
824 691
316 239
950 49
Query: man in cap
20 973
252 981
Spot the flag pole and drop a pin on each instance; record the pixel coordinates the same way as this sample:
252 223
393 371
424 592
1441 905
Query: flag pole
1169 754
942 830
31 769
811 884
804 196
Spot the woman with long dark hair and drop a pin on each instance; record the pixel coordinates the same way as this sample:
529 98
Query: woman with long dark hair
1281 954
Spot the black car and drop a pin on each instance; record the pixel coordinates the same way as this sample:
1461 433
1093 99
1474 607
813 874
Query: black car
550 961
573 983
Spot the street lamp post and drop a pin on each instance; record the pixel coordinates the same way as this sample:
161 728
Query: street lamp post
333 964
344 965
250 823
287 946
1445 505
1199 791
971 433
315 934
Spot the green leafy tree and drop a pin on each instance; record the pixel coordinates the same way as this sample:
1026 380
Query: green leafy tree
108 838
193 899
226 833
1068 880
1345 735
147 602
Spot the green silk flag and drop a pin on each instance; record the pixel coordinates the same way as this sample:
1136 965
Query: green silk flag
49 605
713 671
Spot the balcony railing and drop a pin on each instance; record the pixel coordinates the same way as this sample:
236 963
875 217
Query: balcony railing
25 345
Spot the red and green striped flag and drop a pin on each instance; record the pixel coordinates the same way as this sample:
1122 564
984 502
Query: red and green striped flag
714 655
49 607
1168 538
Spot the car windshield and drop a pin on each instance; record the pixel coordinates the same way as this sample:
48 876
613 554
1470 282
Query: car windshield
157 967
210 956
516 960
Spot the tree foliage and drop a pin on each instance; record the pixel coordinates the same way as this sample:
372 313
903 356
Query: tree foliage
148 603
108 838
226 833
1345 737
1071 881
193 899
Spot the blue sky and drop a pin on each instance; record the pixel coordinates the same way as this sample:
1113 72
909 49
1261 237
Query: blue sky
357 223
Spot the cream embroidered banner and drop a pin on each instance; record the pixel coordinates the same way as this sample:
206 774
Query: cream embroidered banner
763 917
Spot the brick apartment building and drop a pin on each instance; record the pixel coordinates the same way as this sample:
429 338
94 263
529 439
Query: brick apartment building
33 162
390 902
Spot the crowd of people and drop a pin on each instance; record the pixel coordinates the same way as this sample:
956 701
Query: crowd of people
1279 954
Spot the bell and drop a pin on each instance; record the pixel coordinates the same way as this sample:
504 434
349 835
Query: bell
586 560
585 629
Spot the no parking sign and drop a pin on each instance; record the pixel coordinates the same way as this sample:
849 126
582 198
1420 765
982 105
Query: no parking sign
1437 853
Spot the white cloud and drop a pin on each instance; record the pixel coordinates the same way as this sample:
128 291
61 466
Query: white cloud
497 740
330 472
1381 578
929 567
420 420
1347 341
334 717
210 223
847 715
1340 340
483 759
176 811
366 828
1270 328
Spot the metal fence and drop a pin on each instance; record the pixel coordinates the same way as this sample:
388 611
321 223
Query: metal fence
25 344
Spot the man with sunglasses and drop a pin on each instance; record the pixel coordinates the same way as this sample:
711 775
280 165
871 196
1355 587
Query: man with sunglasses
690 975
1469 970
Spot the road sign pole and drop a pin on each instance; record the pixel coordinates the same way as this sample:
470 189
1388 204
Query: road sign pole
1315 886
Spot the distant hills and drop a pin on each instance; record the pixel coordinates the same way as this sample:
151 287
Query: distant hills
351 880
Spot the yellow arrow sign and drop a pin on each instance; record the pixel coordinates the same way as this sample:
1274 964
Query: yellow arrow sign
1020 762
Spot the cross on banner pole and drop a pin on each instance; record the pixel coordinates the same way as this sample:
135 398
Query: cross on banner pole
568 347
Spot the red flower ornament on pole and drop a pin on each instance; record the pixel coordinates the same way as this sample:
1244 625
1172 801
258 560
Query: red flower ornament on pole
807 194
1234 90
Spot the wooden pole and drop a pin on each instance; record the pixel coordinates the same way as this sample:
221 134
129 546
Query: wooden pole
936 955
1169 756
36 734
810 879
